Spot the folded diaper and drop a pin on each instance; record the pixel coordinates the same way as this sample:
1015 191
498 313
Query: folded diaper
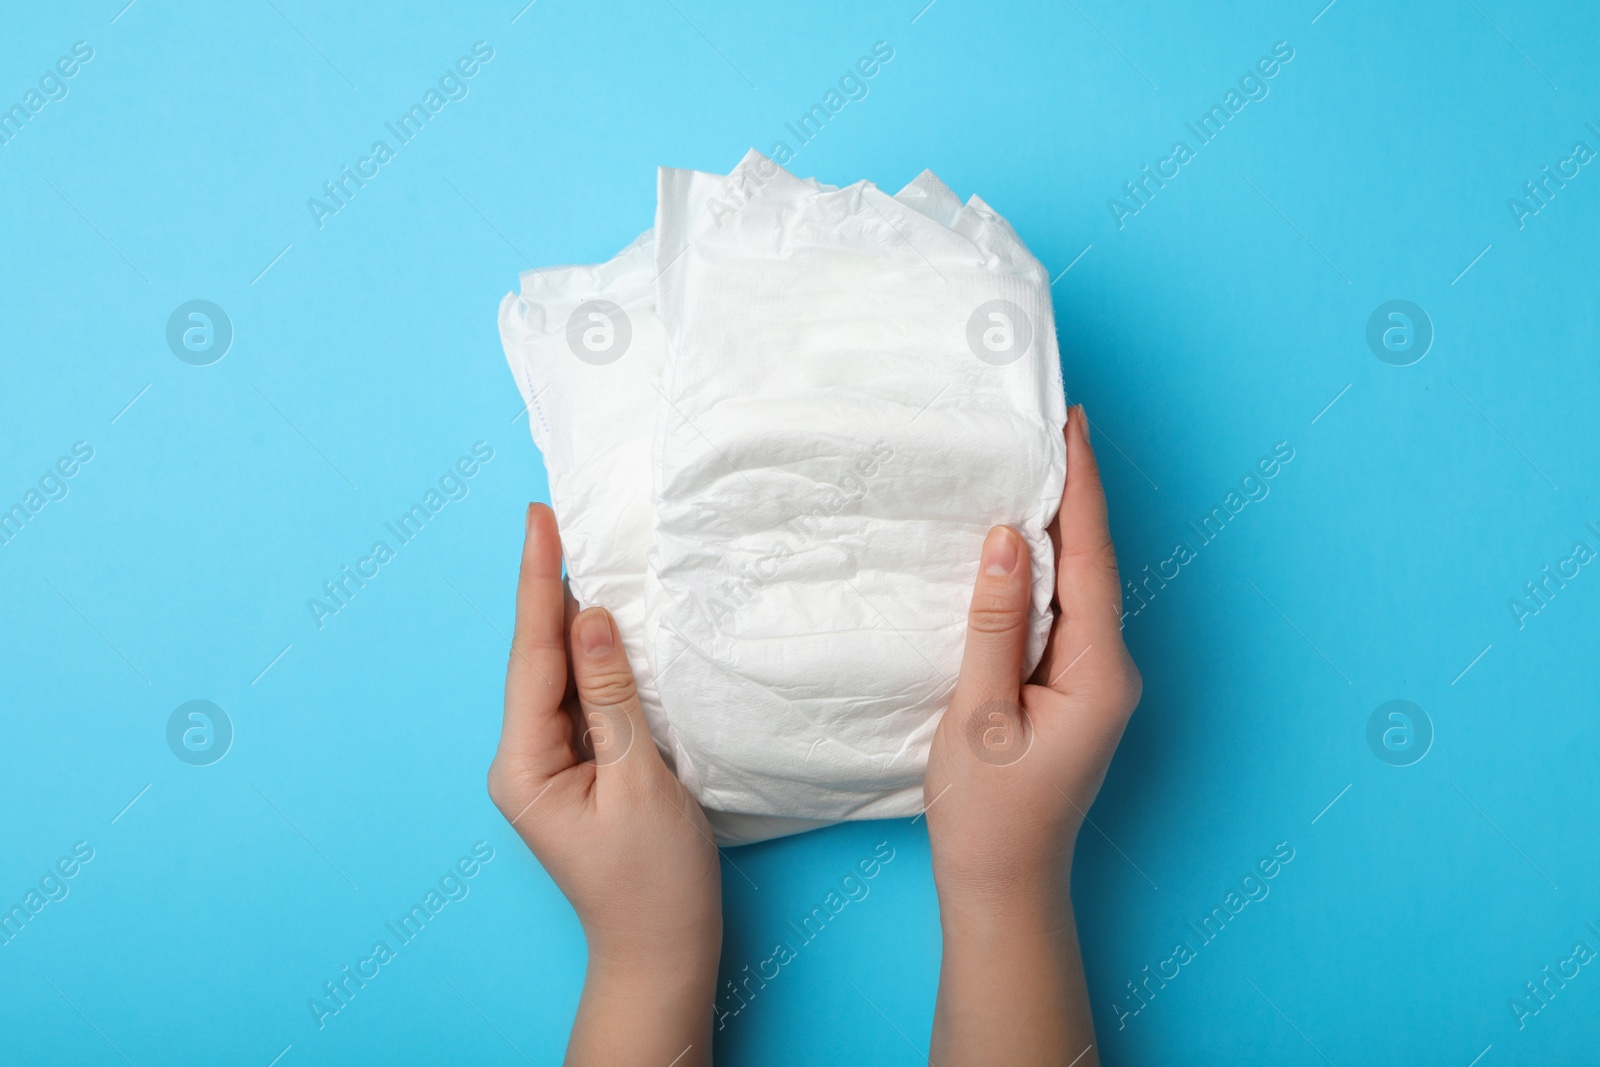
815 549
855 393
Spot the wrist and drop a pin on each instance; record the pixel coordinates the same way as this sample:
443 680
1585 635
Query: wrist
975 877
646 1004
1011 986
1026 908
686 951
654 975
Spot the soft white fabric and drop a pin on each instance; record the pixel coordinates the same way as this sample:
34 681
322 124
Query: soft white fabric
830 452
594 423
858 705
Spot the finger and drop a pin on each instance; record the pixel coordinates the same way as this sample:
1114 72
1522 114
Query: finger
998 622
1087 586
606 690
537 735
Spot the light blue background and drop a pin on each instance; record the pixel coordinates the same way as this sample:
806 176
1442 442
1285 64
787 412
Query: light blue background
1224 317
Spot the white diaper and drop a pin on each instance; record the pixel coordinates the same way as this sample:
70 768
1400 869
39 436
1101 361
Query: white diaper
855 393
813 695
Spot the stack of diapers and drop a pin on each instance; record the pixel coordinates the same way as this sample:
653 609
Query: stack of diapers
777 428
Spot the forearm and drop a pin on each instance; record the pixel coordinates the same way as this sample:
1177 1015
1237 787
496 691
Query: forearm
654 1013
1011 985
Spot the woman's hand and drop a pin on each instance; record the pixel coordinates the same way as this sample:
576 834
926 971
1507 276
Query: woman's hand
579 778
1012 772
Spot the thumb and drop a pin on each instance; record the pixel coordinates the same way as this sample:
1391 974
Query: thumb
606 692
985 699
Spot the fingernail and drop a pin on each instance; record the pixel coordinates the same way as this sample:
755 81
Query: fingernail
1083 422
527 520
593 631
1000 552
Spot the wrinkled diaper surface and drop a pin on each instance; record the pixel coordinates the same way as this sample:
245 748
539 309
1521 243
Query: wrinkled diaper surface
777 428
